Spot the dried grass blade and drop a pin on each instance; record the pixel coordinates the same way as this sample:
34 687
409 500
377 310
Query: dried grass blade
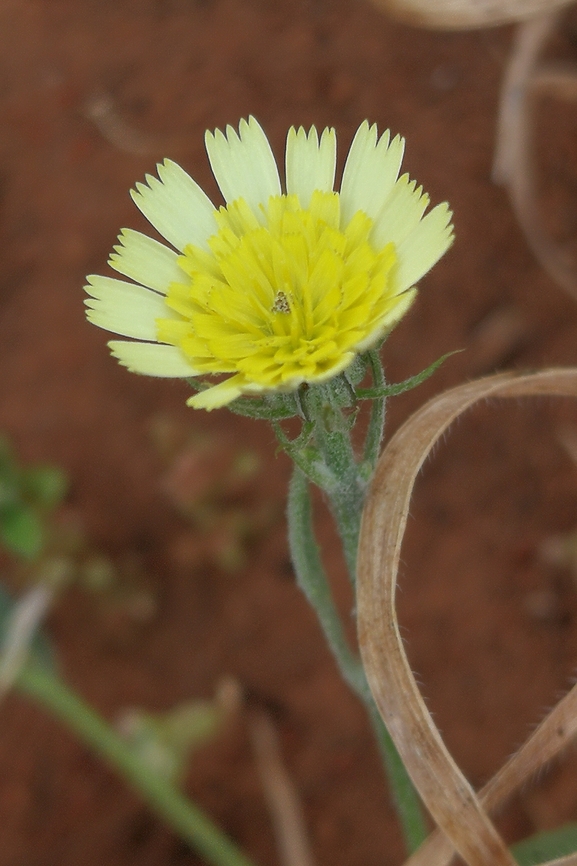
281 794
466 14
514 159
443 788
553 734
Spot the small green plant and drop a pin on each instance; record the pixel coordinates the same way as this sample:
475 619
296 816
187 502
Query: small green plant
28 497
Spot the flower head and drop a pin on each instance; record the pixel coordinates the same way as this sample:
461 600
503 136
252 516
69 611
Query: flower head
275 288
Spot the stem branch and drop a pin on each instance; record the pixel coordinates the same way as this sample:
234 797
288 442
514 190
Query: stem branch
182 815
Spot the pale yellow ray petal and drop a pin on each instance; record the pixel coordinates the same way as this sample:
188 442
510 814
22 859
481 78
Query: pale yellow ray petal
243 164
176 206
310 164
146 261
403 304
124 308
370 172
401 213
219 395
423 248
152 359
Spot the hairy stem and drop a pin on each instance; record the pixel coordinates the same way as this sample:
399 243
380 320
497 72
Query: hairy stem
312 579
179 813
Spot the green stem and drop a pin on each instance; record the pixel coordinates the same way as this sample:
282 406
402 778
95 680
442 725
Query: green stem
346 491
182 815
347 511
377 420
406 799
312 579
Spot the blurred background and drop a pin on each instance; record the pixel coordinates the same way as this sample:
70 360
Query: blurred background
187 578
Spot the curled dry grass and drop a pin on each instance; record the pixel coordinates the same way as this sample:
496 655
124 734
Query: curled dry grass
467 14
527 79
462 815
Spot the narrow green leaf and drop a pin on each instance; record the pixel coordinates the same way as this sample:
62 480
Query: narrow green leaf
547 845
406 385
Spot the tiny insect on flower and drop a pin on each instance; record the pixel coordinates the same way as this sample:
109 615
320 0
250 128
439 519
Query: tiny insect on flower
275 288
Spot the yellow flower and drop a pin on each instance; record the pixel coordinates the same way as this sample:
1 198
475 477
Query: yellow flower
274 288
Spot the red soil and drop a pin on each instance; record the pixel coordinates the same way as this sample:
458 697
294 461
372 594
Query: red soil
490 627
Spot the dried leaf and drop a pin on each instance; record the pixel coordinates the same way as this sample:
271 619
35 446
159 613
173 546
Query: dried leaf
458 811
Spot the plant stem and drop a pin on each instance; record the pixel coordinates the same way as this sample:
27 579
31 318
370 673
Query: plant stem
182 815
406 799
377 420
312 579
347 512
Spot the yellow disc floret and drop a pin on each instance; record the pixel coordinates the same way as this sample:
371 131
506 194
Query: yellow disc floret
281 300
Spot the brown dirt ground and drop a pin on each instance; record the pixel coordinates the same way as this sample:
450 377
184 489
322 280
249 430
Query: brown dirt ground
490 627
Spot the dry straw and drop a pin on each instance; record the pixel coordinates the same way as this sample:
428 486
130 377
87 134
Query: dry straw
466 14
460 813
528 78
